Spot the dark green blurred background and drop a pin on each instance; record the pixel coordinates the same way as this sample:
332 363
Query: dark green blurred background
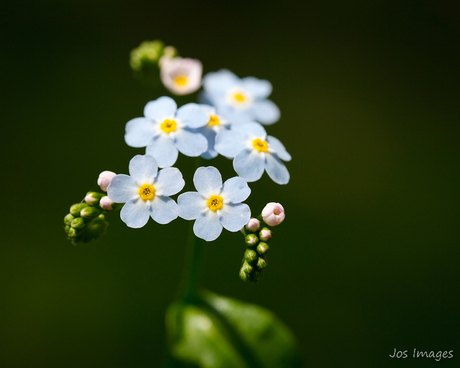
368 257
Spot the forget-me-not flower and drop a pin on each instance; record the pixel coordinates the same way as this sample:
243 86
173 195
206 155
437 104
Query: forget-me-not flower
181 76
215 205
146 192
240 100
165 130
253 152
216 124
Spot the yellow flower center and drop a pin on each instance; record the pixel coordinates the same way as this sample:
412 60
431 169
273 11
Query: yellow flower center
215 203
147 192
239 97
168 126
260 145
180 80
213 120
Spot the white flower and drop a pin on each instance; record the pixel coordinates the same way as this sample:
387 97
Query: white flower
240 100
253 152
216 124
167 130
181 76
215 205
146 192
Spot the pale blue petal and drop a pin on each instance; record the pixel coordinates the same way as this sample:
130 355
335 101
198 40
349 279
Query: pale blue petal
258 88
234 216
249 164
163 209
266 112
161 108
192 115
135 213
235 190
122 188
190 143
139 131
207 226
279 148
276 169
209 110
230 142
255 130
210 136
190 205
143 168
208 181
163 149
168 182
219 82
237 117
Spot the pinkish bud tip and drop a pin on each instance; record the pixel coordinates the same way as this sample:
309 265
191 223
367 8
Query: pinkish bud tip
265 234
106 203
273 214
253 225
104 179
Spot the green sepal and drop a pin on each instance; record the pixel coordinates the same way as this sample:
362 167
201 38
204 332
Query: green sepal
90 212
214 331
78 223
247 268
250 255
68 219
261 263
262 248
76 208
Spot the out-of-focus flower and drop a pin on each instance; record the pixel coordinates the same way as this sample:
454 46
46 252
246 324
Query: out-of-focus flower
240 100
216 124
146 55
146 192
215 205
273 214
253 152
166 130
181 76
104 179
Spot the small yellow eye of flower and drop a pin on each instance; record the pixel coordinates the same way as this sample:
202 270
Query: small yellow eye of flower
213 120
239 97
168 126
215 203
260 145
180 80
147 192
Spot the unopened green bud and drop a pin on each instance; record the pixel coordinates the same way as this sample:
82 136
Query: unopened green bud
243 275
68 219
93 198
262 248
77 208
250 255
72 233
170 51
265 234
261 263
90 212
251 239
146 55
78 223
247 267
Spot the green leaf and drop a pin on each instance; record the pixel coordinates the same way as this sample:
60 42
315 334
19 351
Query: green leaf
213 331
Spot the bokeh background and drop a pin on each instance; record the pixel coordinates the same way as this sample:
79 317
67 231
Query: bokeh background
368 258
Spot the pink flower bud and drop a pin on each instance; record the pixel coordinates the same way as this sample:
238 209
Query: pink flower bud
273 214
104 179
106 203
253 225
265 234
90 199
181 76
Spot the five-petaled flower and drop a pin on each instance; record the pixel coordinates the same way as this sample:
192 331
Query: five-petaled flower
215 205
146 192
253 152
181 76
241 100
165 130
216 124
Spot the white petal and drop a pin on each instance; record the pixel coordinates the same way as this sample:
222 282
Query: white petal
235 190
139 132
192 115
276 169
161 108
234 216
207 226
135 213
163 149
190 143
143 168
219 82
190 205
122 188
279 148
163 209
258 88
229 142
249 164
255 130
168 182
208 181
266 112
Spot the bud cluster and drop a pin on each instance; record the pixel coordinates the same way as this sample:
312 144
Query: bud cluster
86 220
